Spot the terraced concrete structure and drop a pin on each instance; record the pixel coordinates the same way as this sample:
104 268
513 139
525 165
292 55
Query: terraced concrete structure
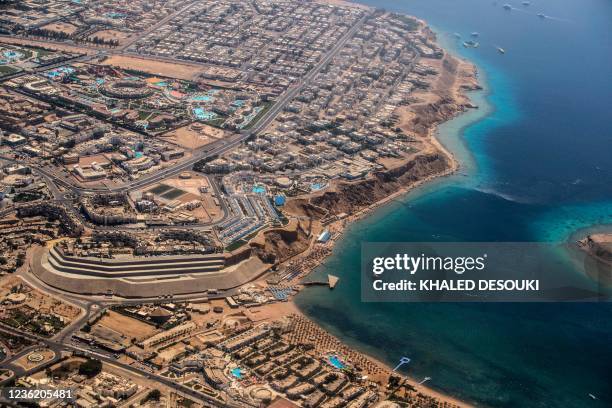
150 276
135 266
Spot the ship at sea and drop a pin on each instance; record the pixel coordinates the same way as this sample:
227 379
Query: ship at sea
501 50
471 44
507 6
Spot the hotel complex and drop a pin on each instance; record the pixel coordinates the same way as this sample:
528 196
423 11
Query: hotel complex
172 170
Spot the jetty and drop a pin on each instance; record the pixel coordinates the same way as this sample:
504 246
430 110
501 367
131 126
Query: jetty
332 281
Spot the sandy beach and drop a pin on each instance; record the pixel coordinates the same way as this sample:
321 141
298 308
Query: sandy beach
305 331
454 85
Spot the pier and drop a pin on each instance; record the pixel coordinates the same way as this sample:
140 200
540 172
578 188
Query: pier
332 281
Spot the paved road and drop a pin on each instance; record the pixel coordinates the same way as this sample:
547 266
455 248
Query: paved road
155 26
99 49
9 363
77 58
91 304
58 347
221 146
216 148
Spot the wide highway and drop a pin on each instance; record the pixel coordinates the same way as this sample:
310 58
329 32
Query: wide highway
221 146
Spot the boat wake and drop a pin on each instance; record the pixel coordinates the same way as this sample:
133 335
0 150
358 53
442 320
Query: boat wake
504 196
543 16
562 20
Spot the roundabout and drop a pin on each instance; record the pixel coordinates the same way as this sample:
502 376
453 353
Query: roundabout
35 357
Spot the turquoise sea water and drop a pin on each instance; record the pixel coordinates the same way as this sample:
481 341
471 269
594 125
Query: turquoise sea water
536 167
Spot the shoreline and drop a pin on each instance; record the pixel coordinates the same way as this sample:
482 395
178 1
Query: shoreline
458 93
526 166
454 165
419 388
321 340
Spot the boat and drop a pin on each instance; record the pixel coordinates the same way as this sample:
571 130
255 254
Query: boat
507 6
592 396
475 34
501 50
471 44
541 15
457 35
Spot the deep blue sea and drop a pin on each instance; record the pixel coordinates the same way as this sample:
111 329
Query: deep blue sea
537 166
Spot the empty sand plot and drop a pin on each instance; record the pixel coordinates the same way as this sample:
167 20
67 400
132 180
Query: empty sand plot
108 35
37 300
196 188
194 136
168 69
61 27
51 45
127 326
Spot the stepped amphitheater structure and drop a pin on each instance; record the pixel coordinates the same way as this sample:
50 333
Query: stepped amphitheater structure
144 276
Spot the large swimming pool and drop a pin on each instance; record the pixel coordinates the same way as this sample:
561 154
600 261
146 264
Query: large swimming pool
236 372
203 114
54 73
336 362
316 186
201 98
259 189
10 56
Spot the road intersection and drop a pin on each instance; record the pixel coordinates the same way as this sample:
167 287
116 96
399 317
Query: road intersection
65 192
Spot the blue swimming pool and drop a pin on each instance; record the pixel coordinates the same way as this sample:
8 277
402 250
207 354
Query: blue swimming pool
203 114
12 55
335 361
114 15
316 186
247 119
259 189
54 73
202 98
236 372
